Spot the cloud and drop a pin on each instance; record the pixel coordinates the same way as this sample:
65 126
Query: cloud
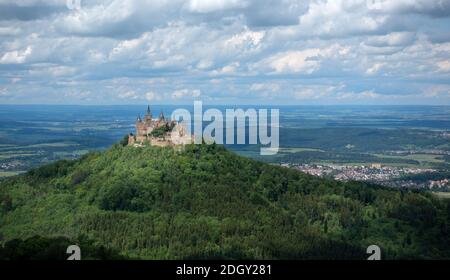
129 95
46 70
247 37
335 94
208 6
152 96
444 65
16 57
296 61
264 13
375 68
364 95
186 93
340 18
437 91
9 31
227 69
3 92
394 39
30 10
118 18
436 8
272 87
226 51
313 92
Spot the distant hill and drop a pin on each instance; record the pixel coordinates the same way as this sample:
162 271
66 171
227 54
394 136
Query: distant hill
208 203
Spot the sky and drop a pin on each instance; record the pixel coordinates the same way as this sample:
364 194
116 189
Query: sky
227 52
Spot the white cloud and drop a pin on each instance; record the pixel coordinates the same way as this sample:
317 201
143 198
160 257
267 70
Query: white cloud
207 6
129 95
394 39
151 96
9 31
444 65
428 7
333 94
375 68
46 70
364 95
339 18
3 92
186 93
437 91
265 87
314 92
305 61
118 17
16 57
227 69
250 38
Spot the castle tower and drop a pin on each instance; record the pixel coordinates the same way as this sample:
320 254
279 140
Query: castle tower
141 129
148 116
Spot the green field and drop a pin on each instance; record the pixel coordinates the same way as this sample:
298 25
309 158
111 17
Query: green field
297 150
6 145
398 165
310 155
418 157
442 195
71 153
425 159
11 155
8 174
55 145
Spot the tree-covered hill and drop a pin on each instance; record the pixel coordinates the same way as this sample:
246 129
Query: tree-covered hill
205 202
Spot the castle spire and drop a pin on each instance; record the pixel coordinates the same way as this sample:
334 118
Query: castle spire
139 118
161 116
148 116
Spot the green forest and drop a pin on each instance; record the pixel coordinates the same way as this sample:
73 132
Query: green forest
205 202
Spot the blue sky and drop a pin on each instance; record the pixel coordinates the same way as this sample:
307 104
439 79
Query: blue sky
225 52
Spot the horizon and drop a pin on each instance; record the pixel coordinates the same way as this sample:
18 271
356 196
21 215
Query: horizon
231 105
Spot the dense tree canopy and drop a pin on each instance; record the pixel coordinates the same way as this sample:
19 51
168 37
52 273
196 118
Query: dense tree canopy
205 202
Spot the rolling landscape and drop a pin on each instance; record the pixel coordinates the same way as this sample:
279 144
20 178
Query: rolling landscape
408 140
224 137
139 203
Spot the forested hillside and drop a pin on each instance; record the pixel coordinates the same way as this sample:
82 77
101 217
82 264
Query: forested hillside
205 202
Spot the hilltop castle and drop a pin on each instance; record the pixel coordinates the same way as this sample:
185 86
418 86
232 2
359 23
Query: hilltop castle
158 132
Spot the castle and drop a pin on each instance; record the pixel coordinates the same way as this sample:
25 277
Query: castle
158 132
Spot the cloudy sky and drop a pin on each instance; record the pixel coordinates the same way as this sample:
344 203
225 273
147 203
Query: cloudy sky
225 51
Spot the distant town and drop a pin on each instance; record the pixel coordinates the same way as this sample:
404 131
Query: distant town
374 173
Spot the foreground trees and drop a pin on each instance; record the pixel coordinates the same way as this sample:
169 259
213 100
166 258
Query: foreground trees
205 202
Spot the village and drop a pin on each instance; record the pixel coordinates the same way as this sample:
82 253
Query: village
374 173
